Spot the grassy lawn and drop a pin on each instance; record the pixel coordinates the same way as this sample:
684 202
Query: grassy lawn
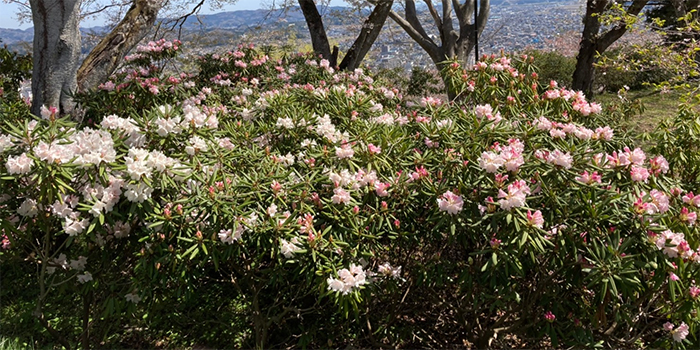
657 107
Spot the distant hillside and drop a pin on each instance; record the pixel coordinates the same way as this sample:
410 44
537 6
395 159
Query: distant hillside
11 36
240 19
245 18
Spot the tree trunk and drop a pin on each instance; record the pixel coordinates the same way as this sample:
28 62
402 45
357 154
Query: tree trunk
369 33
319 39
452 43
110 51
594 43
467 33
585 69
56 53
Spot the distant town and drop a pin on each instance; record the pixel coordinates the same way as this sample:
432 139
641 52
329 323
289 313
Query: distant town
513 26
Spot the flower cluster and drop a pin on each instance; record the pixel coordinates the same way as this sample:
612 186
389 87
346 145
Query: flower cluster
516 195
509 156
348 280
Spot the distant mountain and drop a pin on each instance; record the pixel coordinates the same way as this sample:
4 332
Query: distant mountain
11 36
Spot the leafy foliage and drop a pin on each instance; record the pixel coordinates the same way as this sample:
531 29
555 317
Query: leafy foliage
323 209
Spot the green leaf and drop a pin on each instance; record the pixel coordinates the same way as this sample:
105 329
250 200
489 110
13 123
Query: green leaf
523 239
91 227
193 250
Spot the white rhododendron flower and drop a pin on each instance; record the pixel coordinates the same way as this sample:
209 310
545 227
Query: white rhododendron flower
288 248
28 208
21 164
132 298
85 277
348 280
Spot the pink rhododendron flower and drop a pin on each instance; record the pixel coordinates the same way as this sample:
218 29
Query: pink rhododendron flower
549 316
85 277
635 157
420 172
229 236
515 197
680 333
341 196
430 143
48 113
583 133
6 244
450 202
659 202
559 158
668 241
557 133
483 110
271 210
374 149
510 156
659 164
604 133
552 94
694 292
691 199
639 174
535 219
688 216
589 178
381 188
387 270
543 123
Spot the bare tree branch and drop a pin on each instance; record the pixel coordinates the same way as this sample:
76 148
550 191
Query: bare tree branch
412 18
180 21
436 17
369 33
102 9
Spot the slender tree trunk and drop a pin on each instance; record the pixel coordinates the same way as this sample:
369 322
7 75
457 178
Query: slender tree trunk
588 49
585 69
369 33
593 42
56 53
110 51
319 39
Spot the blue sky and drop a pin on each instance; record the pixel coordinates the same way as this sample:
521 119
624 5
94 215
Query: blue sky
8 18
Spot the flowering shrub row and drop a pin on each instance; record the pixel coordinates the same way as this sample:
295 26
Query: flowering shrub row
517 208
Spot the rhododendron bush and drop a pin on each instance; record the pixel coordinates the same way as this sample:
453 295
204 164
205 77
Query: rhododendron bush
341 213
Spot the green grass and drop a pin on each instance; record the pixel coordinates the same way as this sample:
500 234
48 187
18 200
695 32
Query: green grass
657 107
13 344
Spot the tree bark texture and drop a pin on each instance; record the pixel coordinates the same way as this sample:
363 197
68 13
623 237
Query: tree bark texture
319 39
594 43
682 7
104 59
56 53
369 33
